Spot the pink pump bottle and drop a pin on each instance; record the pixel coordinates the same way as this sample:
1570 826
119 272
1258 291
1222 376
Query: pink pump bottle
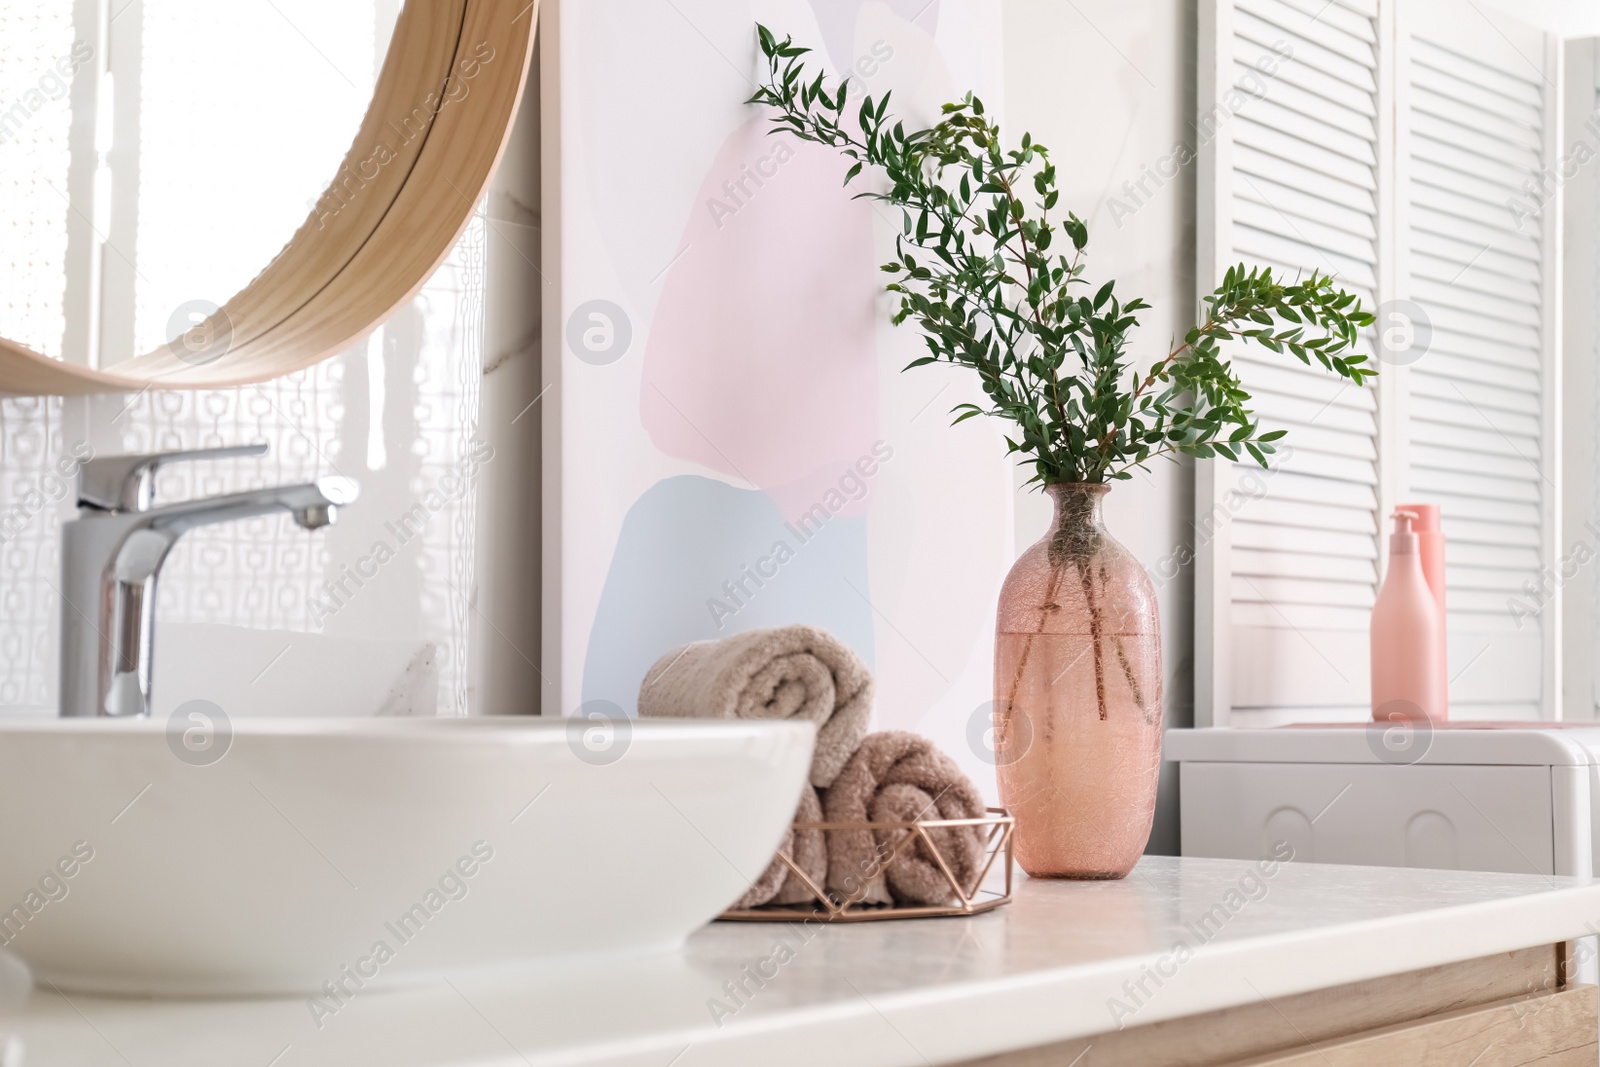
1408 673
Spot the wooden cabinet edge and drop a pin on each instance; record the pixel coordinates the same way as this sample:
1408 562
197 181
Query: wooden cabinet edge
1555 1029
1282 1027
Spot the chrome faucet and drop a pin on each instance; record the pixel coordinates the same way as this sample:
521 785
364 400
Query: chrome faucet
111 556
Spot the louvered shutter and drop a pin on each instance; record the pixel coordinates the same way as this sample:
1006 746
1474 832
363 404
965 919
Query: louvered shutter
1382 151
1299 190
1480 264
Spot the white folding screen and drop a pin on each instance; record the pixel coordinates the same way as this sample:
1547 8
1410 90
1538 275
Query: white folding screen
1383 144
1295 179
1480 249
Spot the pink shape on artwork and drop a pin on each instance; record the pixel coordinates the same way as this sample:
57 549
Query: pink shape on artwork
761 358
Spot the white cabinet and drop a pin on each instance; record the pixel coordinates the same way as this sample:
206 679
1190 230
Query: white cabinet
1460 797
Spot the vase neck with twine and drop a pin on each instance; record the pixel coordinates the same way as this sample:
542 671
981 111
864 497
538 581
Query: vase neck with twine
1078 525
1077 531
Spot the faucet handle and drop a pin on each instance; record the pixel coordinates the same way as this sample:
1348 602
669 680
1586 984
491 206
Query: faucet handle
127 483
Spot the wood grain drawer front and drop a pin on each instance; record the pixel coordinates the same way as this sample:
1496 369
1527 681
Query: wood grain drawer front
1555 1030
1287 1026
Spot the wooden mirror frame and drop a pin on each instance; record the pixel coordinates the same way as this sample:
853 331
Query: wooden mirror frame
440 115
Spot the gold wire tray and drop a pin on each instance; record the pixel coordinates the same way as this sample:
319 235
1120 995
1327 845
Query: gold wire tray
831 907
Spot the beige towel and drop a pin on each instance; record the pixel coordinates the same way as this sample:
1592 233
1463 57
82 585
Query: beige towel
793 672
899 776
778 884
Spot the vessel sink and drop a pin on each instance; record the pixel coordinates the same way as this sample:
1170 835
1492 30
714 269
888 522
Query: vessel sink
322 857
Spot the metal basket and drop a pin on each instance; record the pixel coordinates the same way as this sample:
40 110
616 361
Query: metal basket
830 907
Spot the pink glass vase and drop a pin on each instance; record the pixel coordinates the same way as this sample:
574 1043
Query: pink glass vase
1077 696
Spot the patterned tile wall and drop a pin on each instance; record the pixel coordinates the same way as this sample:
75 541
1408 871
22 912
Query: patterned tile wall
398 413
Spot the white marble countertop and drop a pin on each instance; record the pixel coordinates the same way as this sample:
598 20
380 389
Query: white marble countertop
1055 964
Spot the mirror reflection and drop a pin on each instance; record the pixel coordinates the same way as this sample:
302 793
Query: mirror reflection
156 154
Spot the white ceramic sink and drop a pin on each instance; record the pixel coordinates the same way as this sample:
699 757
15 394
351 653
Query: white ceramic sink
455 844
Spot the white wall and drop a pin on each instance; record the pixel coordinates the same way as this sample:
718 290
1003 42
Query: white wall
1108 86
1580 502
1569 18
505 638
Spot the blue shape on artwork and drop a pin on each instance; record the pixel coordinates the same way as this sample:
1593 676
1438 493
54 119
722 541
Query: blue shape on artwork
691 543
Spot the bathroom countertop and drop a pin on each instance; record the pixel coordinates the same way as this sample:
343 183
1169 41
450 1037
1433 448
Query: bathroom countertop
1065 960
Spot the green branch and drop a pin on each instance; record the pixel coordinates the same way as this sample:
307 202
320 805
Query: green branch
995 297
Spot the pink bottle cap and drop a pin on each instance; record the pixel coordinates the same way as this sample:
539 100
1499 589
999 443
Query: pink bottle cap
1424 517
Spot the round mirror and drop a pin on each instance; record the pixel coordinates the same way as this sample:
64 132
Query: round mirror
198 194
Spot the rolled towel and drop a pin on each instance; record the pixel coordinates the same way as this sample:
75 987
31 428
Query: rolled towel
792 672
899 777
778 884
